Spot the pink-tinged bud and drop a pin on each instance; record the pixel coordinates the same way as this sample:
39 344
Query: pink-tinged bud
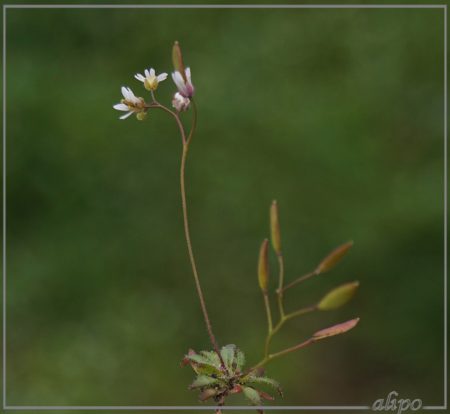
333 258
180 103
263 266
177 59
183 82
275 227
207 394
265 396
237 389
335 330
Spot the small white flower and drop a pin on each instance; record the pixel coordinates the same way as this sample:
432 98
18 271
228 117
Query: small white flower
131 104
180 103
184 83
150 79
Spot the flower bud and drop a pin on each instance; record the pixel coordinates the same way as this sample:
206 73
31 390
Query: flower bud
207 393
263 266
177 59
180 103
333 258
275 227
338 296
141 116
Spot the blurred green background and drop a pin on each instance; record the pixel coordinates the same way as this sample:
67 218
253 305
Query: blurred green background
338 114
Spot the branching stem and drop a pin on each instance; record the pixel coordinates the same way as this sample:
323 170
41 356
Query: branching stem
274 330
299 280
271 357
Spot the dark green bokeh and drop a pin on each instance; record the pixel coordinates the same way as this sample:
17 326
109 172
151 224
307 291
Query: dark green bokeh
338 114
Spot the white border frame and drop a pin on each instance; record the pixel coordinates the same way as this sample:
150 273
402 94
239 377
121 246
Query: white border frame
216 6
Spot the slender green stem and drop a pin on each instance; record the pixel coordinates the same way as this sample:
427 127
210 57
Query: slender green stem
186 141
271 357
187 234
283 320
269 323
300 312
157 105
268 312
299 280
280 284
194 122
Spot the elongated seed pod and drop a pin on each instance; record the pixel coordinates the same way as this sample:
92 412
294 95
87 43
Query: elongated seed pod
338 296
275 227
335 329
263 266
177 59
333 258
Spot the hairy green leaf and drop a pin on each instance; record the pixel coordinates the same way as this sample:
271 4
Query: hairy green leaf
202 365
204 380
227 353
212 357
240 359
252 395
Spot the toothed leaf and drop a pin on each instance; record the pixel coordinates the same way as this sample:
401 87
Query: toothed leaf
203 381
263 380
240 359
201 364
227 353
212 357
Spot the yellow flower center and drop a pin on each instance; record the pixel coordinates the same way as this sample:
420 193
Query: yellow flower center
151 83
134 106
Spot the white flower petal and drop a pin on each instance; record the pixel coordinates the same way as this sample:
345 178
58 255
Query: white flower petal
161 77
131 96
152 72
121 107
126 115
146 72
124 91
188 74
139 77
179 81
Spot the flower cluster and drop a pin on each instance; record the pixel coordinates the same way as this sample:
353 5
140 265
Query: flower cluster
131 104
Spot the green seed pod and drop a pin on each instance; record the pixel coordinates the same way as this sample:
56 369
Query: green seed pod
335 330
177 59
333 258
275 227
338 296
263 266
